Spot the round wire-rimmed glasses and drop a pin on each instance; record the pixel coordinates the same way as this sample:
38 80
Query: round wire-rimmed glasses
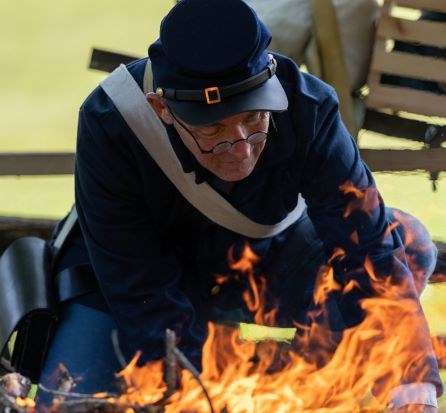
225 146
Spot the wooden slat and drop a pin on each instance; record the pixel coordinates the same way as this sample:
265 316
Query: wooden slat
422 31
434 5
10 223
392 160
373 77
334 69
107 61
410 65
433 159
36 163
404 99
393 125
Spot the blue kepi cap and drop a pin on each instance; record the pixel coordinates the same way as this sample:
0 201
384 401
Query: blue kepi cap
211 62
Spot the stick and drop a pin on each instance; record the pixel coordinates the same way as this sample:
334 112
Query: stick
74 394
171 364
184 361
66 383
117 349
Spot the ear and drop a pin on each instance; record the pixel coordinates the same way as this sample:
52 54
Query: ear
159 107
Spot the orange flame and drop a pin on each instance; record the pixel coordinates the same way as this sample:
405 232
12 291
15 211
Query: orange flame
145 385
254 296
439 344
320 372
365 200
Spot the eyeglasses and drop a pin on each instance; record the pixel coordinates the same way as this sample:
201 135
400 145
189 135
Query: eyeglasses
225 146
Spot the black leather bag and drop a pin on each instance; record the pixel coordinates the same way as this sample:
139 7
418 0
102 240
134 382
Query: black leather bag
30 292
28 305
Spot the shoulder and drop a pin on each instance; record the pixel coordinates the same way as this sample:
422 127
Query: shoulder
311 102
98 104
103 134
302 85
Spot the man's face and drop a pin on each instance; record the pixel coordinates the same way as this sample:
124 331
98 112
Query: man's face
240 160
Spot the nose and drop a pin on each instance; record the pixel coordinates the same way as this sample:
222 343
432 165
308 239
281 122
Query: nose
241 149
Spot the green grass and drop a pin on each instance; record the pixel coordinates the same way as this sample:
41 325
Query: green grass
45 51
410 191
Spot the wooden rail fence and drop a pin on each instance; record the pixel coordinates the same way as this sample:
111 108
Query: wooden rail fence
379 160
432 158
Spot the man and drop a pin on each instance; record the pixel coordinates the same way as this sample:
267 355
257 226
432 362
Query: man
231 142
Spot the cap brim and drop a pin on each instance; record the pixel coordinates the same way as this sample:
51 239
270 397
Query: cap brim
270 96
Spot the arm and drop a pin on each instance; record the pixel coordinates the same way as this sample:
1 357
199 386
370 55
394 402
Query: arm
119 212
353 218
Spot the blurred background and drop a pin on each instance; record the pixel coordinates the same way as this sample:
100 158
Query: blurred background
45 49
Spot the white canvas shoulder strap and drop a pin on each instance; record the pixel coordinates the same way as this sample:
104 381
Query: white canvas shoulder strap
148 128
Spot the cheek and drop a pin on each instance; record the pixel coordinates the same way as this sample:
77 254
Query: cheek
258 149
192 147
207 161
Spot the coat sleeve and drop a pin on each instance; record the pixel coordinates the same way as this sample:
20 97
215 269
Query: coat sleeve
138 274
350 216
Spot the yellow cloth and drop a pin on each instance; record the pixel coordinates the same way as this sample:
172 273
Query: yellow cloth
334 68
254 332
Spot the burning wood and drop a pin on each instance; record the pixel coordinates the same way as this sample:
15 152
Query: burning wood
15 385
14 390
66 383
317 370
92 405
171 363
239 375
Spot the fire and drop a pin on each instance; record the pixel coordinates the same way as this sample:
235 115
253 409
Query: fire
317 372
361 200
254 296
439 344
317 369
25 403
145 385
410 240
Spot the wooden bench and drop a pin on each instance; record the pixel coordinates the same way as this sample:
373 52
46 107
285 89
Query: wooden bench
386 103
386 61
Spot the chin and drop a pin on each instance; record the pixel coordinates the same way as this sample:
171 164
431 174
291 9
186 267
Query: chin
234 176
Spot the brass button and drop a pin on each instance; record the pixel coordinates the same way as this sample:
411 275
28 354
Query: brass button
159 92
215 290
